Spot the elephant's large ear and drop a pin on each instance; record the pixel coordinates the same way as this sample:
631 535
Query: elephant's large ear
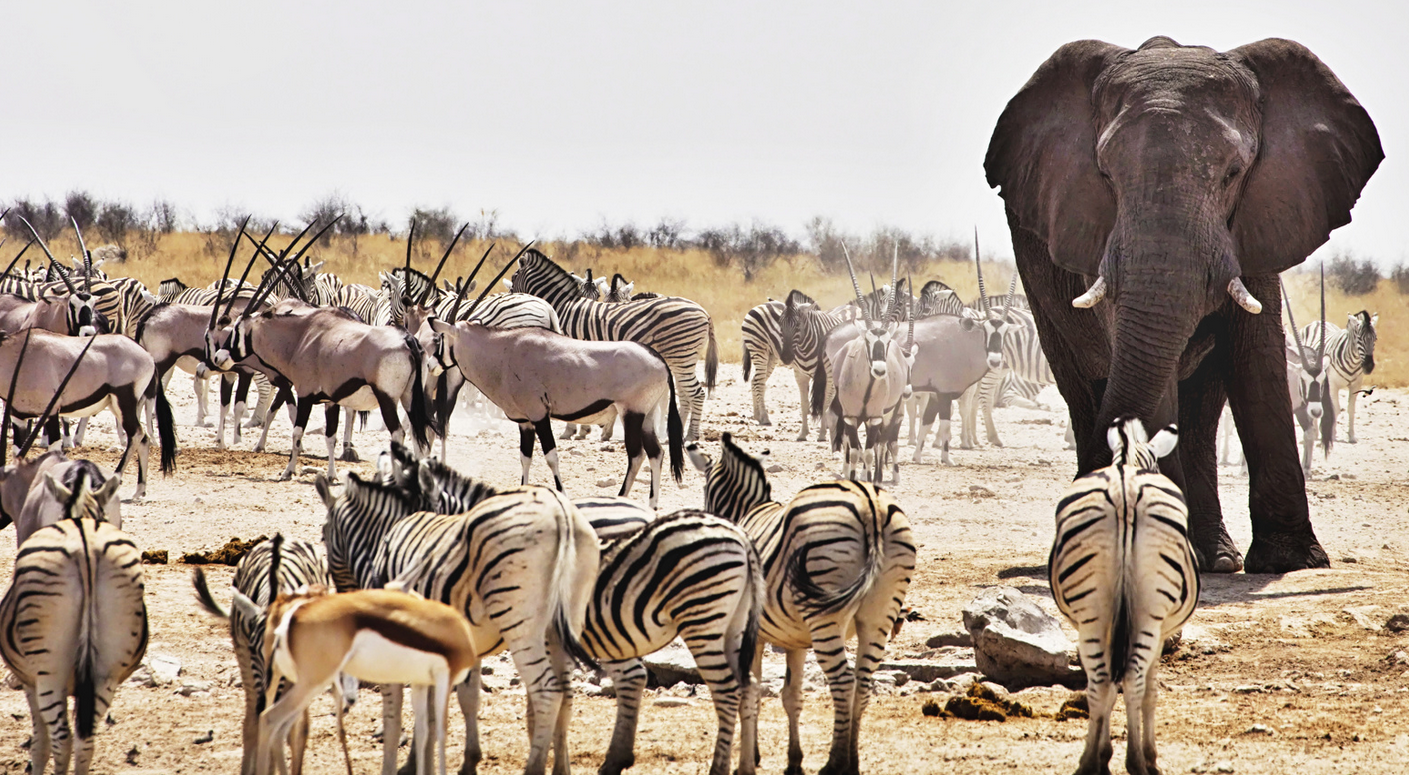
1318 147
1043 157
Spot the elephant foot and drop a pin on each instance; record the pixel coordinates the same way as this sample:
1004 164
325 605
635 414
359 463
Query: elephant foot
1216 552
1281 553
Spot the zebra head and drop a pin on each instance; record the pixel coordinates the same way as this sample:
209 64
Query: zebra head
1130 446
619 290
733 485
1361 329
794 307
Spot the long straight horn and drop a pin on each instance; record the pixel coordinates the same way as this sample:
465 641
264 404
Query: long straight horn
406 272
312 240
282 271
10 399
1297 335
431 286
1322 342
983 296
497 277
877 297
261 250
856 287
17 259
910 316
87 258
44 417
52 260
895 289
1013 285
229 262
469 281
243 275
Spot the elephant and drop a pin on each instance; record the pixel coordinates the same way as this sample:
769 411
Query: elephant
1153 196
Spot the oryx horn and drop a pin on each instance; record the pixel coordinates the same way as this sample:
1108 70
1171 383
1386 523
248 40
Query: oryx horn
460 290
1013 284
856 287
10 399
52 260
235 293
44 417
87 258
229 262
1297 335
983 296
497 277
431 286
910 316
406 272
1322 341
895 289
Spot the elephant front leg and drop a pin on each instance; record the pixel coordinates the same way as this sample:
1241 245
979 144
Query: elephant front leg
1283 539
1201 405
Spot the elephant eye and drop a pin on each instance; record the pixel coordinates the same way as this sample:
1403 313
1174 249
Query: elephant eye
1233 173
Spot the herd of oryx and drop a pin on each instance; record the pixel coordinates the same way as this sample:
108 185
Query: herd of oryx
424 571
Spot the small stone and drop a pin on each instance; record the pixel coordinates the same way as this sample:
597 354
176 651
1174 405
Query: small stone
1248 689
204 738
155 557
1398 622
606 481
931 708
1348 559
132 755
1334 478
191 686
774 468
486 670
980 491
672 702
1224 767
1259 729
819 466
957 638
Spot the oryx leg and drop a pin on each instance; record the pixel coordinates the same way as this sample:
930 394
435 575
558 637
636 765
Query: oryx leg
126 408
570 431
526 449
606 427
348 454
201 384
226 391
330 430
544 428
305 407
388 405
242 396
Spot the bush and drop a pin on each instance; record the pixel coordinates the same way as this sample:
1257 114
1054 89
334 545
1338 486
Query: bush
1354 277
1401 275
666 234
82 208
115 220
438 224
44 216
162 217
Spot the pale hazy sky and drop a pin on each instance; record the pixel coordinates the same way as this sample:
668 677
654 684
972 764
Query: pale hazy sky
562 114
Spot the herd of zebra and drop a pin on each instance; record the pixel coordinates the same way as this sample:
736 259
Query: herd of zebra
601 581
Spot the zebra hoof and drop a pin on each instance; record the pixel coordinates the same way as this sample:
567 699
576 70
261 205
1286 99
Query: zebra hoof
1350 439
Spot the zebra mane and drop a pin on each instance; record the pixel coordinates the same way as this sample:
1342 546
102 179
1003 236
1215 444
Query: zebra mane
1131 448
366 496
797 298
552 280
83 480
745 476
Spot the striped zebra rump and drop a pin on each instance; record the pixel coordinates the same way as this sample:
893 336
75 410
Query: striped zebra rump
73 623
760 336
1123 572
506 310
364 302
134 301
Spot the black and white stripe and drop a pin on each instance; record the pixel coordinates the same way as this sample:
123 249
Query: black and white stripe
677 329
1352 353
1122 570
803 330
837 560
73 623
762 341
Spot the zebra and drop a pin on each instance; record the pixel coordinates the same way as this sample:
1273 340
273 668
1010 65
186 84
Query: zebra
762 343
698 576
1122 571
592 288
73 624
134 301
364 303
1353 355
300 564
937 298
803 332
675 328
838 559
520 565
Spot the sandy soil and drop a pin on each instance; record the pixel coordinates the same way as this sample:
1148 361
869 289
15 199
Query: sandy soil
1304 656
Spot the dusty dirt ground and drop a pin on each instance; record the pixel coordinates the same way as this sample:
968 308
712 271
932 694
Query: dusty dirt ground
1305 656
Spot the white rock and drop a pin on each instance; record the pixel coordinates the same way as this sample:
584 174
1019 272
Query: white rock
606 481
1015 640
672 702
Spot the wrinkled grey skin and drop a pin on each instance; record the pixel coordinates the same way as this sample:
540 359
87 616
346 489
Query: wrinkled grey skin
1170 171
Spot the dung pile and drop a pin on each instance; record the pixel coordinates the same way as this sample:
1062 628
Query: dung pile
980 703
229 554
1074 708
154 557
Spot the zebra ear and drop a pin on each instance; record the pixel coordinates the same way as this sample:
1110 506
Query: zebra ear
247 607
325 488
1164 441
108 491
698 457
508 284
56 488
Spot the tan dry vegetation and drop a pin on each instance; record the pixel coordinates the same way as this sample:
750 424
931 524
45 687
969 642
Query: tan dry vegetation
1392 330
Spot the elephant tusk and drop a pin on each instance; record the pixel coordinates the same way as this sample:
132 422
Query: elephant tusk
1093 295
1243 297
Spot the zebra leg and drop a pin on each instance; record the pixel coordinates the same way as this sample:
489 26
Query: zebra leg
1096 756
526 449
792 696
1136 689
544 685
1147 740
628 680
570 431
692 394
544 428
707 647
1309 440
986 404
632 431
330 431
804 381
391 727
969 424
468 694
758 382
300 420
201 382
928 408
39 746
1353 389
265 393
281 396
749 718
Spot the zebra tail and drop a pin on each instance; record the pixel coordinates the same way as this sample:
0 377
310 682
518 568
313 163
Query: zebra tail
749 642
166 429
712 359
562 589
85 689
420 418
204 596
1328 427
674 432
440 407
814 600
1119 643
748 364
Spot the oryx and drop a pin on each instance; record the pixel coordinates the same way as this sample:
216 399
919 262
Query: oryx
326 356
1314 404
536 375
870 373
117 375
75 314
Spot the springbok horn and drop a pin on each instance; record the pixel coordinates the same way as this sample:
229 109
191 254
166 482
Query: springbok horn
406 271
52 260
979 270
17 259
469 281
1243 297
1093 295
44 417
431 286
495 281
229 262
1297 335
87 259
856 287
10 399
235 293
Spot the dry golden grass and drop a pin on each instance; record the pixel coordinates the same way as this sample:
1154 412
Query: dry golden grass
198 259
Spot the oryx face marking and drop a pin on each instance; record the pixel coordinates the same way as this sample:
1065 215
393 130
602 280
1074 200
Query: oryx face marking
878 341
